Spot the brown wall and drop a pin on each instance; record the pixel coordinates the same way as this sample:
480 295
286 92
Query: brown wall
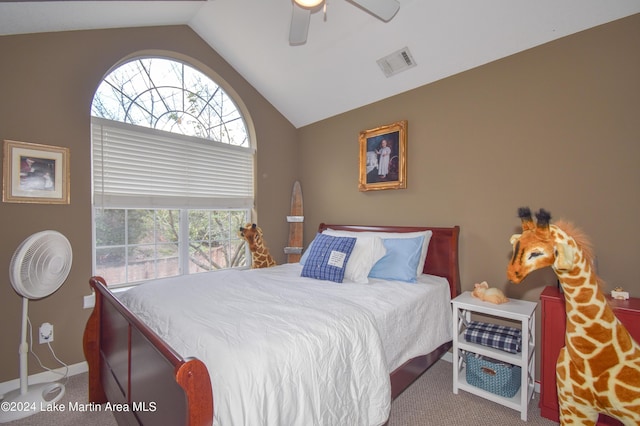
47 84
557 127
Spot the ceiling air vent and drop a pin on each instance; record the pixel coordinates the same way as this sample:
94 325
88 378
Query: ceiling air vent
396 62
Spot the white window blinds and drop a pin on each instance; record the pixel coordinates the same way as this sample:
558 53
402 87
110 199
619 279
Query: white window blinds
139 167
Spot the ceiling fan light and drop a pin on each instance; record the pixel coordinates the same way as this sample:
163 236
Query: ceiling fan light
308 4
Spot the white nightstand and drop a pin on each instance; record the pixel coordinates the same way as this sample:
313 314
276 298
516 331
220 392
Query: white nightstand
520 311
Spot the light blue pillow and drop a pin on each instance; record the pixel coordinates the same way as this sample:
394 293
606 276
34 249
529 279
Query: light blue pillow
401 261
328 256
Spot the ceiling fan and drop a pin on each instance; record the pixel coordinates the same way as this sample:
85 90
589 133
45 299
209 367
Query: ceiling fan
382 9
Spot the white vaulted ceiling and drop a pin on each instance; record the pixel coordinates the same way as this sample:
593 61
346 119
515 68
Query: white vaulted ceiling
336 70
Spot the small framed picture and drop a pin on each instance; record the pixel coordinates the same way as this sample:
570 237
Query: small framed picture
35 173
383 157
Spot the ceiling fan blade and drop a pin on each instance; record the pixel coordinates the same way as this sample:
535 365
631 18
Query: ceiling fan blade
299 25
383 9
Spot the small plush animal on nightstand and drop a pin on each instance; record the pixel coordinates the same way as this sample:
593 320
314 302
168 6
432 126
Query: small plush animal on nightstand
491 295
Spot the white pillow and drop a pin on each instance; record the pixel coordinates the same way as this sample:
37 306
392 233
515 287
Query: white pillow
367 251
425 244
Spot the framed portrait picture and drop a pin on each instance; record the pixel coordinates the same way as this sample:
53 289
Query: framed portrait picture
383 157
34 173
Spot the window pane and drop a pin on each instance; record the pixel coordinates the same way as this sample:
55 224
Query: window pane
141 263
214 242
237 247
110 229
151 246
206 257
111 264
171 96
238 253
140 226
168 225
168 261
199 229
220 255
200 258
221 226
151 261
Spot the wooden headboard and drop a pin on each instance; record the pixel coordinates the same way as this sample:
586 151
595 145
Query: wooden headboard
442 257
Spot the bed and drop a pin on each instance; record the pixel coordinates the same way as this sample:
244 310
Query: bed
145 380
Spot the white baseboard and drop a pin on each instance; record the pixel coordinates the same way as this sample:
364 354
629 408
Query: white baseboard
45 376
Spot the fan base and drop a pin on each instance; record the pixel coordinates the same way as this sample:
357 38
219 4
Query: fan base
39 397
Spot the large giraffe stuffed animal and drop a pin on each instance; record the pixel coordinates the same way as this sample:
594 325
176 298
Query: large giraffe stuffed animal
598 369
260 256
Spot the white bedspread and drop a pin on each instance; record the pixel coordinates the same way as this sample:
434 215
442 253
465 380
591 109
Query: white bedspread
287 350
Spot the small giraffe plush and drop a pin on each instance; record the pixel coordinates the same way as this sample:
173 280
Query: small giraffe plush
598 369
260 256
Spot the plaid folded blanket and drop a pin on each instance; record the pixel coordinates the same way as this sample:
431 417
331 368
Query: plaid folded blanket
497 336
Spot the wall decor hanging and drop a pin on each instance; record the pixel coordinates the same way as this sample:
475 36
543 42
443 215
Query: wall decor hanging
35 173
383 157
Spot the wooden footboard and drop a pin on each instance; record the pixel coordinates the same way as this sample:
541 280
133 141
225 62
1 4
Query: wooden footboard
143 380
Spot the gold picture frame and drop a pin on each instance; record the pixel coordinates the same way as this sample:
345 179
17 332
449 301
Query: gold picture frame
35 173
383 157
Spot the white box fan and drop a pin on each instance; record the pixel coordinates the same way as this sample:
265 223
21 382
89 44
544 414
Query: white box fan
39 266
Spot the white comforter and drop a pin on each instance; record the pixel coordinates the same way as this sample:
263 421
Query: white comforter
286 350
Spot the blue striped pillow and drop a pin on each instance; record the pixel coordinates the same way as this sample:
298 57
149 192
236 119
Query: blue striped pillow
328 256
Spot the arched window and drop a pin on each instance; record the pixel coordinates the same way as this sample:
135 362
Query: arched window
172 173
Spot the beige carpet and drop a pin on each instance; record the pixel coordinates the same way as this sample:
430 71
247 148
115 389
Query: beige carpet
429 401
76 391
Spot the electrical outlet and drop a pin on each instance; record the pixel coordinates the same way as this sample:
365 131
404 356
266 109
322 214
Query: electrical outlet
46 333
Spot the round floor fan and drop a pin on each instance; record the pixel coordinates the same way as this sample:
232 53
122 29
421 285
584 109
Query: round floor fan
39 266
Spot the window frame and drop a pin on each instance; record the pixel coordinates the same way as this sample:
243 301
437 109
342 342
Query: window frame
231 201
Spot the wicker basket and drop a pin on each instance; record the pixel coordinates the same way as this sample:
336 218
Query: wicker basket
494 376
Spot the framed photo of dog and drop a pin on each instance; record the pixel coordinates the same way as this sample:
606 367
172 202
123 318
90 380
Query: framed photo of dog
383 157
35 173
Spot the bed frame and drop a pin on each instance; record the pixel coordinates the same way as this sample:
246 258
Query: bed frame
146 382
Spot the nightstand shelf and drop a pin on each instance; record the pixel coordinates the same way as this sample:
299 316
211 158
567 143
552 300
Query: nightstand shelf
518 311
515 402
